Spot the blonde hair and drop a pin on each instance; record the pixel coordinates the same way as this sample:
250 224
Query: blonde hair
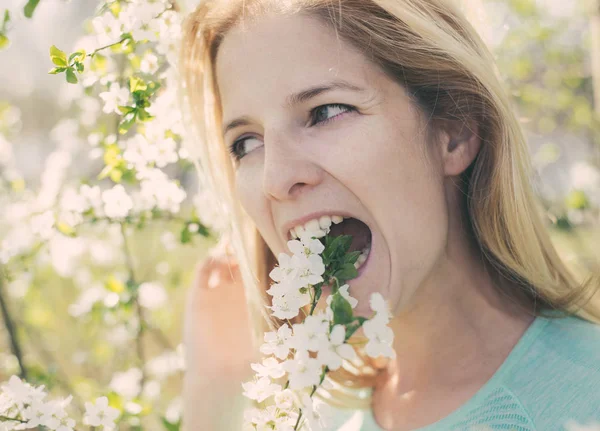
430 48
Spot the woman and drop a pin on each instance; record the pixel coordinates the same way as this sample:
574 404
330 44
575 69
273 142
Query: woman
387 113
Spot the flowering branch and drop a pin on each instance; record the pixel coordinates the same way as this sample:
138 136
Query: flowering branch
306 352
133 284
126 76
23 407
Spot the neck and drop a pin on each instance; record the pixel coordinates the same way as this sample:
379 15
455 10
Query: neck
457 329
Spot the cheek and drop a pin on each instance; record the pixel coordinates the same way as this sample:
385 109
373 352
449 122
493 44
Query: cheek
404 194
248 188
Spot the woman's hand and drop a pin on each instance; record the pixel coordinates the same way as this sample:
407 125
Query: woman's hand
218 346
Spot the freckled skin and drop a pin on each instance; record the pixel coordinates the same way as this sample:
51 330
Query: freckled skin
368 162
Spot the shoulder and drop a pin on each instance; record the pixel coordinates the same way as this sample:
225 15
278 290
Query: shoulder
558 378
571 343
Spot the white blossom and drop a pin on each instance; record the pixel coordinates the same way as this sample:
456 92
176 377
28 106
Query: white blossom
42 225
127 383
107 28
149 63
37 413
286 399
21 392
158 191
270 367
379 305
310 334
380 338
138 152
152 295
332 351
117 203
277 343
114 97
100 413
306 246
166 150
303 370
268 419
93 198
260 389
288 306
315 412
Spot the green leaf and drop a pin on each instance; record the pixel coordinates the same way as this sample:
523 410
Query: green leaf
112 155
152 88
114 285
186 236
77 56
578 200
203 230
331 245
56 70
65 229
345 241
116 175
126 109
71 77
59 61
126 123
4 41
137 84
57 56
338 246
342 310
171 426
29 8
143 115
352 257
346 272
5 21
354 326
128 176
105 172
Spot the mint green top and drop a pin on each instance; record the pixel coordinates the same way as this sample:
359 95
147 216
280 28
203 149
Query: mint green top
550 380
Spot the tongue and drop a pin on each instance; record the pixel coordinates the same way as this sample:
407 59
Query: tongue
361 234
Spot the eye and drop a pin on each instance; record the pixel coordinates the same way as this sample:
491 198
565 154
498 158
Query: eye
238 150
319 116
333 108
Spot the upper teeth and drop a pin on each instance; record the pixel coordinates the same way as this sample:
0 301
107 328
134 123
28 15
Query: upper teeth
318 227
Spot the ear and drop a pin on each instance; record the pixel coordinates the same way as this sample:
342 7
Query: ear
458 145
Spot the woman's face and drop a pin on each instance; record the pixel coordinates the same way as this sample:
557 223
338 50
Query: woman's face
355 148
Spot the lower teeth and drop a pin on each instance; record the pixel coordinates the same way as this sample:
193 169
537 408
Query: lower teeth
362 258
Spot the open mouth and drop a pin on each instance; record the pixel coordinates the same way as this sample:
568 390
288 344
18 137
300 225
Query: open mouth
335 225
361 237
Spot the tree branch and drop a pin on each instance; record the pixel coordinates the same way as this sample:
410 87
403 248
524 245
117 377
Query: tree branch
15 343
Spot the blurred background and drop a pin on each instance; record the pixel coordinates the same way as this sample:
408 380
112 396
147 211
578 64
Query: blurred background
99 240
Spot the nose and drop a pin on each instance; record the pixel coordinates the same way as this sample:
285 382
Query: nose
288 170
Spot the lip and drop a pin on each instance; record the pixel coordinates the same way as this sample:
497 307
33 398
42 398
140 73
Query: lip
315 215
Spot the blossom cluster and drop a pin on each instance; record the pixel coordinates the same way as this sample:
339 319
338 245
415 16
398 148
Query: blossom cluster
23 407
117 171
299 355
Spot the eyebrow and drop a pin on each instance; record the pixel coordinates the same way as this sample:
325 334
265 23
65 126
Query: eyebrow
298 98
